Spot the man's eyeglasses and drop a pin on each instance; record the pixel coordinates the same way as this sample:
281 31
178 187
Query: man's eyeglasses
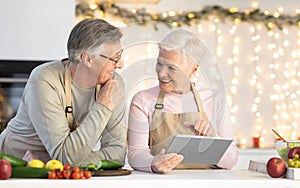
115 59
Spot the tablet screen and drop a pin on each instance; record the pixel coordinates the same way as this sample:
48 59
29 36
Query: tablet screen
199 149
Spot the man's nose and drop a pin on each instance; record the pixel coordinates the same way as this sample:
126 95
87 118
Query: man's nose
120 64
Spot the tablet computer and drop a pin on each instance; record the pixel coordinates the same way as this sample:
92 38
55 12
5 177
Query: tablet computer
199 149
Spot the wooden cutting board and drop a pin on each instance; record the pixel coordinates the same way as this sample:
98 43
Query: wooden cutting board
119 172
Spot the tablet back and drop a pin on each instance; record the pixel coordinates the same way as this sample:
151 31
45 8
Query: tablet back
199 149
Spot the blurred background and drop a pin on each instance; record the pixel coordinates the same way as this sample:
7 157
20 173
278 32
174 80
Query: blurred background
256 45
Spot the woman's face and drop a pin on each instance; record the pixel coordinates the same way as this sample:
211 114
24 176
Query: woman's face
173 74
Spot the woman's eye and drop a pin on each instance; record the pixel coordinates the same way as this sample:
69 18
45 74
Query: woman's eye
172 68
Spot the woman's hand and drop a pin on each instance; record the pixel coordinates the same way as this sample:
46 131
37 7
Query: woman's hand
202 128
164 163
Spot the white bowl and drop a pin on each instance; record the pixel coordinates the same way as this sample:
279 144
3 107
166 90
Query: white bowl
283 147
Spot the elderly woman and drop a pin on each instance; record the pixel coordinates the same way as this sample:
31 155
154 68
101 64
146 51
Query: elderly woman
71 105
175 106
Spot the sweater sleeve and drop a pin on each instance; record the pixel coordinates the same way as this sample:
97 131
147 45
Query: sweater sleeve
139 156
224 129
113 140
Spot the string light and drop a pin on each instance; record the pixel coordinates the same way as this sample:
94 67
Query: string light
233 62
284 74
219 45
277 19
258 89
199 28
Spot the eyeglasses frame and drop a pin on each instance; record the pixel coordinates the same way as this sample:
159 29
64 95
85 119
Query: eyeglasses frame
111 59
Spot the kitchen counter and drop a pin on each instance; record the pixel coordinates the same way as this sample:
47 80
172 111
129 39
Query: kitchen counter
177 178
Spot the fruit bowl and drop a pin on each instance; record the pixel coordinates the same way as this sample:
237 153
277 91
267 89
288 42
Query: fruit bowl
283 147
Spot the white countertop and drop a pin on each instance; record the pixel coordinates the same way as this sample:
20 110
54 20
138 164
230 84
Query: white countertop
176 179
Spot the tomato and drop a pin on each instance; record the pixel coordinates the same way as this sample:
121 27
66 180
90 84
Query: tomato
76 175
67 166
60 175
52 175
67 174
76 169
81 172
87 174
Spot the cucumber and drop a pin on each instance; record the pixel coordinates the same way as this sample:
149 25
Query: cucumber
109 164
14 161
91 166
29 172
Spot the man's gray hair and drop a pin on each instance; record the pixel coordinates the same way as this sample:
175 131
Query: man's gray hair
88 35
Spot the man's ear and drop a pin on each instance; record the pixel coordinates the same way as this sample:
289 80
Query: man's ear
194 69
86 59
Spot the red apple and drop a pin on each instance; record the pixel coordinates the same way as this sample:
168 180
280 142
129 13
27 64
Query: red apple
5 169
293 151
276 167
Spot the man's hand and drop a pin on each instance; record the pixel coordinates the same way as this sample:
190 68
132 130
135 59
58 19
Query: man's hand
164 163
110 94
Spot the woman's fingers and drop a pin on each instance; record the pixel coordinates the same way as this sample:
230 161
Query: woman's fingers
164 163
199 127
203 128
190 126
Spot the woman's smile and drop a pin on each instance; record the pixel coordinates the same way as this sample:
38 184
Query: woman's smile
165 81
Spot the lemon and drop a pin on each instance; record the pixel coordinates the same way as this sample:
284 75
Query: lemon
54 164
36 163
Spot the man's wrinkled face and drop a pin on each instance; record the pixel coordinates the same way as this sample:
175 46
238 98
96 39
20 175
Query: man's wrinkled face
108 61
